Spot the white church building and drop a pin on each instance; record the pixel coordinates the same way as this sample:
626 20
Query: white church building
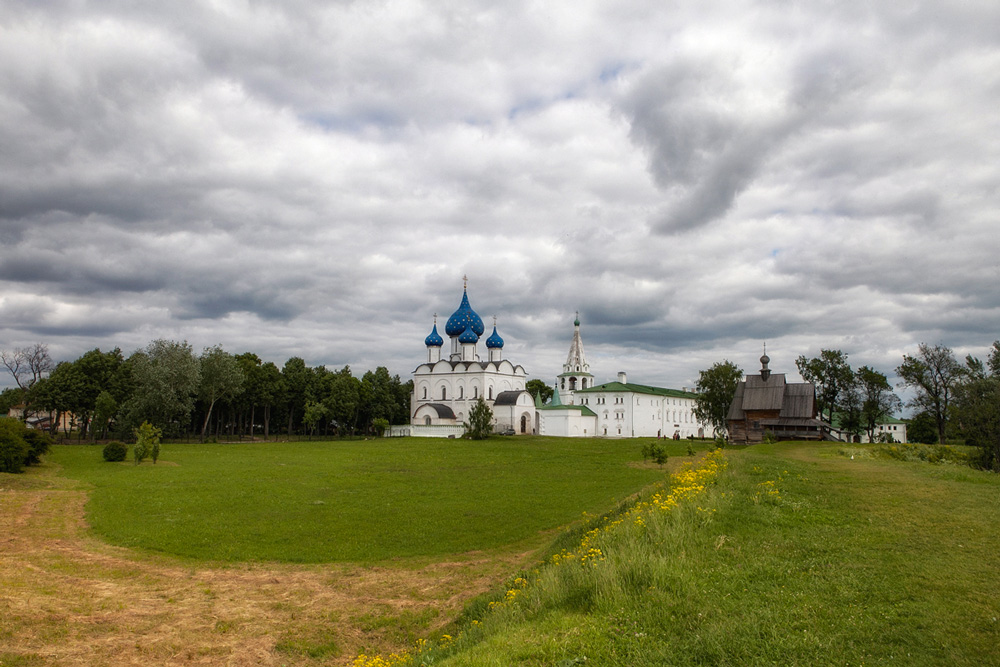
446 386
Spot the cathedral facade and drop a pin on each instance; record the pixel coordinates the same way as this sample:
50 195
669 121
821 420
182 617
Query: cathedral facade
446 386
453 378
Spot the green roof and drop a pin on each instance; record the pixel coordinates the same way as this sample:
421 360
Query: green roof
584 410
638 389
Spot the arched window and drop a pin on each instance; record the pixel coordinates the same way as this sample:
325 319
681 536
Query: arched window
444 393
427 421
491 393
425 391
461 393
475 392
572 384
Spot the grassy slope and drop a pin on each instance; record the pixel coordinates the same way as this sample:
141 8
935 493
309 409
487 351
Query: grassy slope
352 501
797 557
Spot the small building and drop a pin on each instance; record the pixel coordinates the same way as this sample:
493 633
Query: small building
768 404
42 420
889 429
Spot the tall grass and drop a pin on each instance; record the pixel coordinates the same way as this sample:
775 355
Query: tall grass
793 557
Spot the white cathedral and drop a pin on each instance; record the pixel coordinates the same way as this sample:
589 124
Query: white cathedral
445 387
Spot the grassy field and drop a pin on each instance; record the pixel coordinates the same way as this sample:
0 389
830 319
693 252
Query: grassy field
794 554
352 501
797 555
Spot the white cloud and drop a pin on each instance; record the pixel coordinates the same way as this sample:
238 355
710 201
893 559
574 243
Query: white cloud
314 179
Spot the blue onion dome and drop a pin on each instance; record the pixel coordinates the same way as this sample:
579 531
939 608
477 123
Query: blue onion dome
468 336
464 318
434 339
494 341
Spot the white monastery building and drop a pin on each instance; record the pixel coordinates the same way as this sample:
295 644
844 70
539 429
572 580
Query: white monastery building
446 386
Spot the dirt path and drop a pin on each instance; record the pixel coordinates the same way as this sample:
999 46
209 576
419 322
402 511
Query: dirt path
68 599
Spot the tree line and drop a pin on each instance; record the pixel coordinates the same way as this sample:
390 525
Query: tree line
214 393
952 401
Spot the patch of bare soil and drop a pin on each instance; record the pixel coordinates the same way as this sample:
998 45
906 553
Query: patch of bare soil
69 599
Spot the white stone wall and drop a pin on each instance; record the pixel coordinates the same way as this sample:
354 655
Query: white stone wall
459 387
628 414
566 423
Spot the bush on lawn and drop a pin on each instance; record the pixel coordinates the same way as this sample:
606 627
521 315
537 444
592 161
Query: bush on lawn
115 451
13 448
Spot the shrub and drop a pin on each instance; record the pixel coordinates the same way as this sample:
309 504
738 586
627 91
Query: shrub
14 451
655 451
115 451
147 443
38 443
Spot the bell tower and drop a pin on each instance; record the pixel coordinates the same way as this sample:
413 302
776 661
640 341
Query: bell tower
576 371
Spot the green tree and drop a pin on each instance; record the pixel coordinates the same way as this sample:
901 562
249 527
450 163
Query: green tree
933 374
976 408
849 413
10 397
314 413
221 377
105 408
165 375
342 398
922 428
61 392
480 423
878 402
272 391
298 379
381 426
539 389
716 388
378 395
147 443
993 361
830 374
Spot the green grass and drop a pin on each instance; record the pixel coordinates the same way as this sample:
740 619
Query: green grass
357 501
797 556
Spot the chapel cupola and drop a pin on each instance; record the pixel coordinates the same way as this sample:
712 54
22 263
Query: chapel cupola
494 343
434 342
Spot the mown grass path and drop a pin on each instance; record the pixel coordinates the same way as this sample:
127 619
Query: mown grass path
67 597
352 501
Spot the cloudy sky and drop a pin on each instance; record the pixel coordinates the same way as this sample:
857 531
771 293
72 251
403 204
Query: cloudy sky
314 179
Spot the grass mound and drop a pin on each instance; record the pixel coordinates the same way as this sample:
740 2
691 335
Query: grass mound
790 556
